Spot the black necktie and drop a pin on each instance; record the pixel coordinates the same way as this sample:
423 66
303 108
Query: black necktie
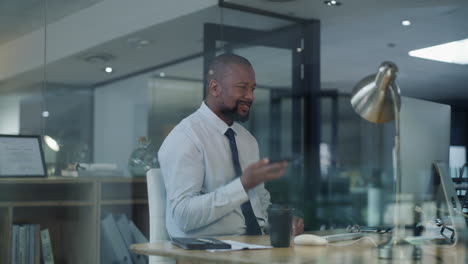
250 220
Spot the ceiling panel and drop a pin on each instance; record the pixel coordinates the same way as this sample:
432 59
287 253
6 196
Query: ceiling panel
355 38
18 18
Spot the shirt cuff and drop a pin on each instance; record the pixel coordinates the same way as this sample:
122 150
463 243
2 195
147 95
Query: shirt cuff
236 192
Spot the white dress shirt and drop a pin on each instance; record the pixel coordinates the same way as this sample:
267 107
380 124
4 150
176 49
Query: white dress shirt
203 193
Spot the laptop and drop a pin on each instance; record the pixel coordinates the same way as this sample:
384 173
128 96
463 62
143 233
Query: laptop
21 156
449 221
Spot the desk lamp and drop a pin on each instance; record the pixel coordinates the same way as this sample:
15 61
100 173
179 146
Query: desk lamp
376 98
52 143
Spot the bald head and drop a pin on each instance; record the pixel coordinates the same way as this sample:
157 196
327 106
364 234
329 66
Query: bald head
220 65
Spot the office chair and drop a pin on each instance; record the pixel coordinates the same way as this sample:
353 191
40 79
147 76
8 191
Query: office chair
157 208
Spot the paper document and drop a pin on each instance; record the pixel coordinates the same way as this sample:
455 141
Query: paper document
239 246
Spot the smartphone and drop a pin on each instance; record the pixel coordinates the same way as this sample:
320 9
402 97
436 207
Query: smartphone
285 158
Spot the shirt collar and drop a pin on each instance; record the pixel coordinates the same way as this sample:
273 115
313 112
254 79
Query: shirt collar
217 122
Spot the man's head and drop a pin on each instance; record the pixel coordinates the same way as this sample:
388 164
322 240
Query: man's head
230 84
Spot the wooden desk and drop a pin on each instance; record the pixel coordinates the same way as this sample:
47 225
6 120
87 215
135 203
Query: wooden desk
360 252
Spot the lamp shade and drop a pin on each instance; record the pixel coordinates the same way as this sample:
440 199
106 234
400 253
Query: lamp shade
52 143
375 96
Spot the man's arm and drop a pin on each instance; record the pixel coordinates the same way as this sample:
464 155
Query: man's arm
183 170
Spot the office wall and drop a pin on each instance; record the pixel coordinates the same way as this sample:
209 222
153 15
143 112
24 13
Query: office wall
9 114
69 122
120 118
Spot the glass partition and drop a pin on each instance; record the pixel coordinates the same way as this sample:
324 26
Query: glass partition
64 90
104 85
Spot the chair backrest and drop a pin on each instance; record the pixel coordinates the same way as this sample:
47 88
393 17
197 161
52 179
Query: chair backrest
157 205
157 212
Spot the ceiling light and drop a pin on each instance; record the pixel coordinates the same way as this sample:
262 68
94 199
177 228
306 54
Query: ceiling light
98 58
108 69
332 3
406 23
452 52
45 114
298 49
138 42
162 74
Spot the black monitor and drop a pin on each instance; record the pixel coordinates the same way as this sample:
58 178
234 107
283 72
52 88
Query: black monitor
21 156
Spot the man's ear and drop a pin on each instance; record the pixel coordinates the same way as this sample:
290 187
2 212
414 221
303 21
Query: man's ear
214 88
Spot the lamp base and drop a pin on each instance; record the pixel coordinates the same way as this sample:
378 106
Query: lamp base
398 249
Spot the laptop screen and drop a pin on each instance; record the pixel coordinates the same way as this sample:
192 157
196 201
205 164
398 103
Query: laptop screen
21 156
447 206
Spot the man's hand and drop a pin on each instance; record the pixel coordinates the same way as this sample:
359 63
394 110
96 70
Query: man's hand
262 171
297 226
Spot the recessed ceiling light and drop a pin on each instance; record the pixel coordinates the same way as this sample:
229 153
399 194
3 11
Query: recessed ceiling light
406 23
138 42
451 52
332 3
162 74
45 113
108 69
98 58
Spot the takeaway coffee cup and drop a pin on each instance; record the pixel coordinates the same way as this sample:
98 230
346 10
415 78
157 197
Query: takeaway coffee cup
280 222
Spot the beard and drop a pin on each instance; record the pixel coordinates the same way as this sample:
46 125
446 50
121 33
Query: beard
234 113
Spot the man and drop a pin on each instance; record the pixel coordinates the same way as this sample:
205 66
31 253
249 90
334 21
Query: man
210 164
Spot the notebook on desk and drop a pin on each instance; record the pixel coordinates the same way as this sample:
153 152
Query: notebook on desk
199 243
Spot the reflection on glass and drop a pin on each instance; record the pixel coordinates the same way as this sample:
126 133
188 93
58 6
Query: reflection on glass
143 158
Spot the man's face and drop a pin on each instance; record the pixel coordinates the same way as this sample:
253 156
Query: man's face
237 92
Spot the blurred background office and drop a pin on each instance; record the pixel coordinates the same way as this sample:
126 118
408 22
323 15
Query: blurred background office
97 75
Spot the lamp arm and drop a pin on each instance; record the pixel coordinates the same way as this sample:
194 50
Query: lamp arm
398 229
